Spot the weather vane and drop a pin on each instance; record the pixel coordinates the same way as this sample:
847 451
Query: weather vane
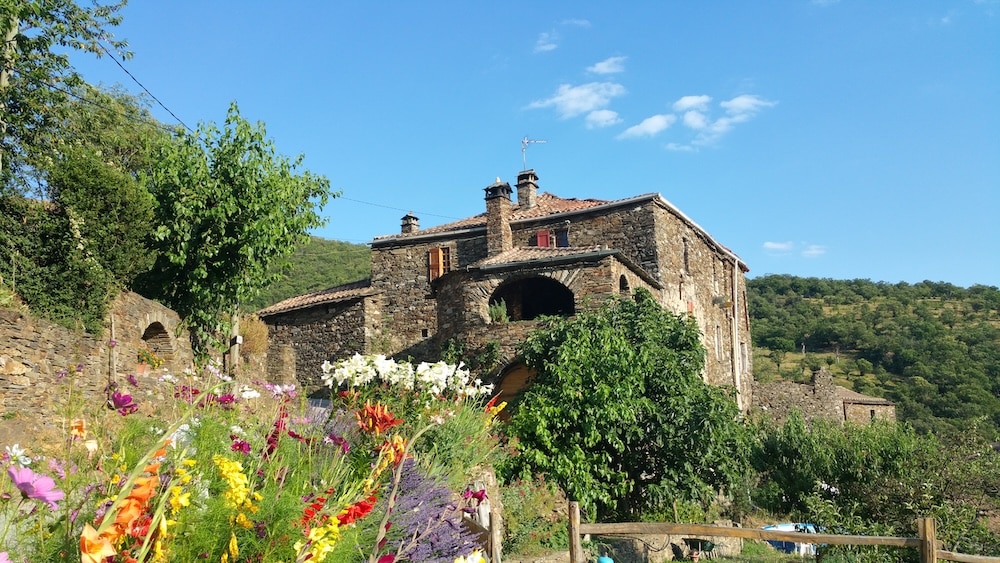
524 150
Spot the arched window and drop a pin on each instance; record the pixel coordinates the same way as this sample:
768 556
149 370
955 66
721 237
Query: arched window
530 298
623 287
157 339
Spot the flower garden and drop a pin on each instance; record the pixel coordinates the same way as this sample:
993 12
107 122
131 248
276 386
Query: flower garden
231 471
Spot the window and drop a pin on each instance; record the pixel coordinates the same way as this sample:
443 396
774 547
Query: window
562 238
718 342
438 262
543 239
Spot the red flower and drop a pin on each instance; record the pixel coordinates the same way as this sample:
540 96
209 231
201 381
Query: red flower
356 511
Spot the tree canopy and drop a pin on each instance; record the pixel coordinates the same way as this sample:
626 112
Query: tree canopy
229 209
619 416
36 75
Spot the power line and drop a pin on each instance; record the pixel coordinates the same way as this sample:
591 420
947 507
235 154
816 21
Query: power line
152 121
422 213
134 79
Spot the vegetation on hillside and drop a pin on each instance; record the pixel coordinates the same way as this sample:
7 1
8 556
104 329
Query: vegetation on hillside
932 348
315 265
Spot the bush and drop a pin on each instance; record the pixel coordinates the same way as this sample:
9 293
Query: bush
535 516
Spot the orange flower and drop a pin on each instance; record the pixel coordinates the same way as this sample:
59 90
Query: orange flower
94 548
78 428
376 418
145 487
394 449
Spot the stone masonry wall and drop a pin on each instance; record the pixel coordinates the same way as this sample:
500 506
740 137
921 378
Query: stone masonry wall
41 363
819 399
299 341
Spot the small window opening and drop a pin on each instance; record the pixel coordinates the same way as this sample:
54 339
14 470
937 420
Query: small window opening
562 238
438 262
424 333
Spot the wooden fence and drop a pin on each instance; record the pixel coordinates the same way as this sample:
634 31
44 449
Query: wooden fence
930 551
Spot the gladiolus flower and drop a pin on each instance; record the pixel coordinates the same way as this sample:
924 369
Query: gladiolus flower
94 548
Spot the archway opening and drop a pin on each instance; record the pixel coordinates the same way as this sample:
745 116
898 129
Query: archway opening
623 287
529 298
157 339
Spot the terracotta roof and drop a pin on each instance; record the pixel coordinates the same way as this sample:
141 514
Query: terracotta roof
545 204
344 292
527 254
849 396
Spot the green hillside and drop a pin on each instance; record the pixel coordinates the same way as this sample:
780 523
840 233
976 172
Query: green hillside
933 348
317 265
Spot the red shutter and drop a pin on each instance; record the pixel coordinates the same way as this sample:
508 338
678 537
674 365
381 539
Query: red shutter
543 238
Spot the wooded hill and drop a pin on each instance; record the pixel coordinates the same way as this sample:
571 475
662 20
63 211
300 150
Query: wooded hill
318 264
932 348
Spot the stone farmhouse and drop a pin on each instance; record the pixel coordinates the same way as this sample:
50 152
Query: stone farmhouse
540 255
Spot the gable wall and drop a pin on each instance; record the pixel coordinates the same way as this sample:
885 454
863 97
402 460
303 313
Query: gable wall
299 341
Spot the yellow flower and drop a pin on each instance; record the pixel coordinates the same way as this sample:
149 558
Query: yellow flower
178 499
243 521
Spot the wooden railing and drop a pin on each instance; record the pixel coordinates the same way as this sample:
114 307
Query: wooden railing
926 540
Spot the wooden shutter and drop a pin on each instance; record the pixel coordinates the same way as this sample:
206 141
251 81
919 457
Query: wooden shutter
543 238
434 264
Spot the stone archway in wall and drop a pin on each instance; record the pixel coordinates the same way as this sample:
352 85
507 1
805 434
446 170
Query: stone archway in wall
529 298
157 338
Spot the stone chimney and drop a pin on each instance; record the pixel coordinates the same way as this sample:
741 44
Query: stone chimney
410 223
498 210
527 188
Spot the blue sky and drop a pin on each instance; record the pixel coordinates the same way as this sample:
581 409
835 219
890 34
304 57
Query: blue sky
840 139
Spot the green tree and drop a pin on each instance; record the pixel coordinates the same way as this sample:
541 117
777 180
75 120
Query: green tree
97 170
35 70
229 209
618 415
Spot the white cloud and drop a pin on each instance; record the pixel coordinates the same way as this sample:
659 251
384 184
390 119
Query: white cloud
602 118
692 102
695 119
546 42
649 126
779 247
576 22
676 147
813 251
738 110
611 65
571 101
745 106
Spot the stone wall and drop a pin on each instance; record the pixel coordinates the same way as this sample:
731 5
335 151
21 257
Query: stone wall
819 399
41 363
300 340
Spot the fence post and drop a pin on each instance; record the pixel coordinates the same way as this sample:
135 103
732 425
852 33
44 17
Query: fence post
496 536
928 540
575 546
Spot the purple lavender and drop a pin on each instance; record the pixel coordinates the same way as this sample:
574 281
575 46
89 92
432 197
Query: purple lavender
427 510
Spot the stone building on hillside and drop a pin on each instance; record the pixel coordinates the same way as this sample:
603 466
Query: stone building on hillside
543 255
821 398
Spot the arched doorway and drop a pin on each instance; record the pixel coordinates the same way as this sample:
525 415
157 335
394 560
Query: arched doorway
513 380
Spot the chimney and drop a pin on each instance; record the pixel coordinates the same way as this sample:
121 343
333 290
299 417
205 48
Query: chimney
527 188
410 223
498 210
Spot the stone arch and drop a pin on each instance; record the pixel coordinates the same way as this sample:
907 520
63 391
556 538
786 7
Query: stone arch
623 285
531 297
158 339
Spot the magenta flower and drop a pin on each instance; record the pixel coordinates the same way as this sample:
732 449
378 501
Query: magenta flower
4 558
240 446
123 403
35 485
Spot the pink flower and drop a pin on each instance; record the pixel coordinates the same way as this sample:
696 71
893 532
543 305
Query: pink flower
36 486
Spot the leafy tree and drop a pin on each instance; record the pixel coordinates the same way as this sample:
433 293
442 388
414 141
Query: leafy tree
35 71
229 209
618 415
97 170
